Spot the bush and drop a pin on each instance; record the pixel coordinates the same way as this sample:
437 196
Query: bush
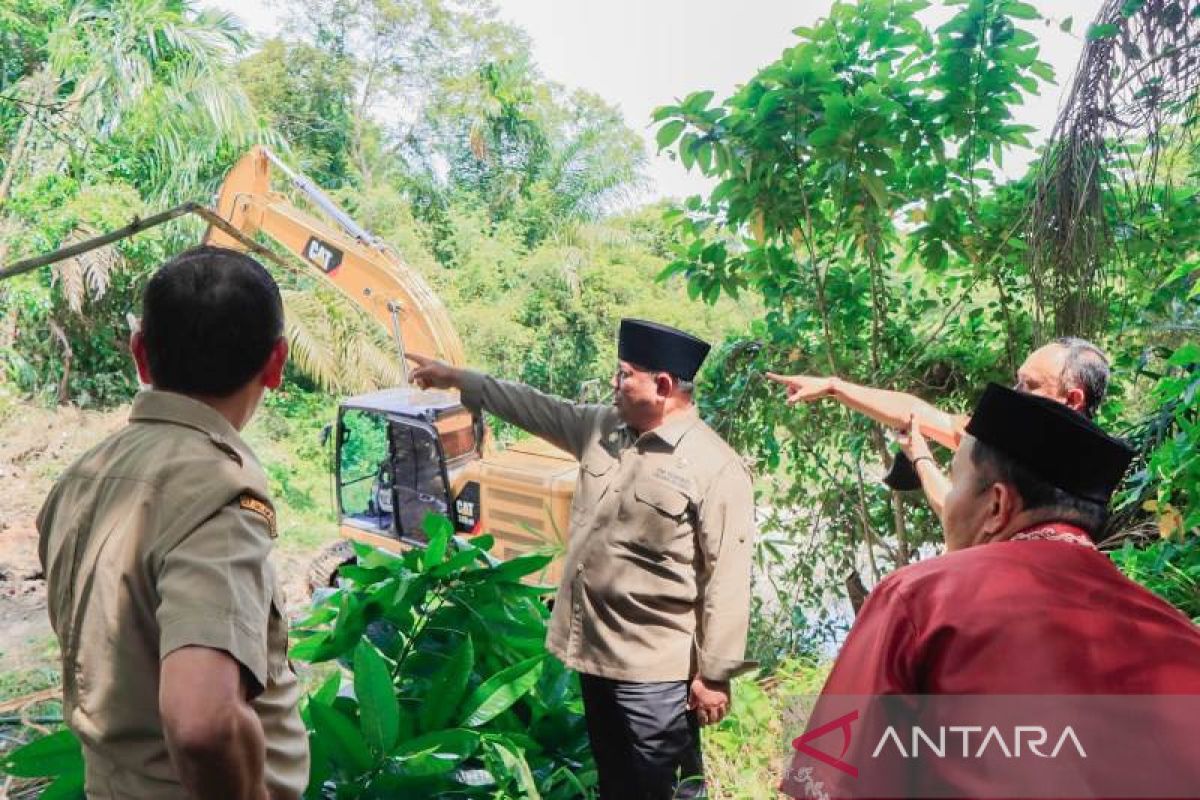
450 689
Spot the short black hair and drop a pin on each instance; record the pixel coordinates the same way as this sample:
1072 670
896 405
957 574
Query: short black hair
1036 493
210 317
1085 366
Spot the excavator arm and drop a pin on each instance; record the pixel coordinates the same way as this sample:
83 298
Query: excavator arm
359 265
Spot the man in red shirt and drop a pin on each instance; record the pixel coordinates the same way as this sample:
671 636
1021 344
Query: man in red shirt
1024 606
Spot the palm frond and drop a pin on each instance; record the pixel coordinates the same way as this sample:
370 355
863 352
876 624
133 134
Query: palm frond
334 345
87 275
1135 90
309 337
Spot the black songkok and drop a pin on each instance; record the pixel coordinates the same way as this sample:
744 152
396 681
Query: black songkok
661 348
1060 446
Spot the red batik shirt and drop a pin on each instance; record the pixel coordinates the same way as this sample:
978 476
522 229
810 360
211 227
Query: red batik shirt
1042 614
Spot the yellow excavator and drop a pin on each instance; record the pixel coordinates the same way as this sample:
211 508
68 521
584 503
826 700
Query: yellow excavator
401 453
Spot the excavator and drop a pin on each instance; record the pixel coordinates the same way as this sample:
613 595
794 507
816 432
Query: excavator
400 453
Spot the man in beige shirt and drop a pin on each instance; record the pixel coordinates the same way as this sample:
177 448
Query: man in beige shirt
654 602
155 545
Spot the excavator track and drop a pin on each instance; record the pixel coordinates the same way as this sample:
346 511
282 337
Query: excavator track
323 570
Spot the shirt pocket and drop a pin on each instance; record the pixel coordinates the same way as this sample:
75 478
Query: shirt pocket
660 521
596 472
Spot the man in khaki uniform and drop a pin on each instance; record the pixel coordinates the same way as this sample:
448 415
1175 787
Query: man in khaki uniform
655 597
155 545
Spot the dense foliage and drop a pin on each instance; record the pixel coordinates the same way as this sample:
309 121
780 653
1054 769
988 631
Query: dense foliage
859 198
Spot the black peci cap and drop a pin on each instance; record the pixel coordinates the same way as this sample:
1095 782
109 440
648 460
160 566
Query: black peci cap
903 476
1060 446
661 348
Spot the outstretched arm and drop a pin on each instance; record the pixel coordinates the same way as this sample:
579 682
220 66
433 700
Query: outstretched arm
893 409
560 422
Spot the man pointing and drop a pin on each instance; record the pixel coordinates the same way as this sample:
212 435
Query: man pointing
653 607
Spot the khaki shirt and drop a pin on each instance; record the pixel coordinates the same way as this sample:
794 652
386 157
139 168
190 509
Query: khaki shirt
154 540
656 577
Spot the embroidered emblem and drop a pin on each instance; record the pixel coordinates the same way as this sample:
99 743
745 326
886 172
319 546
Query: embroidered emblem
1051 534
264 510
680 482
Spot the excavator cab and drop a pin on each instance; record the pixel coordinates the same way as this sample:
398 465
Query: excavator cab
395 457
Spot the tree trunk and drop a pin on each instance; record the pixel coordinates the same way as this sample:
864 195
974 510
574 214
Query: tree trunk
43 86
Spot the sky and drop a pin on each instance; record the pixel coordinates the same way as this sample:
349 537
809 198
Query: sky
640 54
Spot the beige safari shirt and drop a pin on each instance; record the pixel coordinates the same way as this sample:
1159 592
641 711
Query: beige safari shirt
157 539
656 577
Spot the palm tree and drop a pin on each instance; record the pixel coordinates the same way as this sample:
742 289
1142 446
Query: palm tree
110 60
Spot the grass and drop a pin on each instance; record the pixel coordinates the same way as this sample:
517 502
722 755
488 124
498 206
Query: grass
286 436
745 753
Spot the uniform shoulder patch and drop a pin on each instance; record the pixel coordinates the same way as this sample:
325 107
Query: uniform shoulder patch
264 510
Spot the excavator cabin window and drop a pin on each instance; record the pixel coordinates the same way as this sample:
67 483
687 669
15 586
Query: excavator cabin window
391 474
364 469
419 478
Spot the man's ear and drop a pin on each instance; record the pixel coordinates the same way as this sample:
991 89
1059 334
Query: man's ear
1075 399
1003 504
272 371
137 346
664 385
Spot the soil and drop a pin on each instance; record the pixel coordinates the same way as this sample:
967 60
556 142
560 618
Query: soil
36 444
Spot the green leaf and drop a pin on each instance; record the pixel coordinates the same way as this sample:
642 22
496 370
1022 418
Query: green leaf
514 761
519 567
698 101
438 529
669 133
687 150
497 694
1097 32
768 103
311 648
1185 356
436 753
65 787
1131 7
875 187
448 687
459 561
662 112
378 709
1021 11
56 754
329 689
1043 71
342 739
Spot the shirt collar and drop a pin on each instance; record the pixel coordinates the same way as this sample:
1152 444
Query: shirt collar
155 405
672 431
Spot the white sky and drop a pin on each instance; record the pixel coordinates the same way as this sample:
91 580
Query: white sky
640 54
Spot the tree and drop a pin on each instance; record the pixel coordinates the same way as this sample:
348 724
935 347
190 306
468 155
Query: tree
857 198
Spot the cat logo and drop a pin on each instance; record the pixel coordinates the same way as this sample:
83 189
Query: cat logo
324 255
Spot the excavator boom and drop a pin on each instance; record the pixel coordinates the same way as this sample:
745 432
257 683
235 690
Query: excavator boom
361 266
